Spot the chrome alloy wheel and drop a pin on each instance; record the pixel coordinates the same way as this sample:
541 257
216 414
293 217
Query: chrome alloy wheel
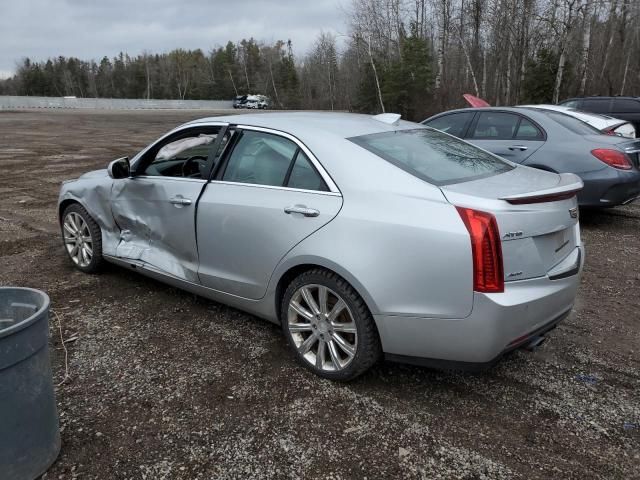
322 327
77 239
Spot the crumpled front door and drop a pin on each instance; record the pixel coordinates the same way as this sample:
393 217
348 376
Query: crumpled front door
156 216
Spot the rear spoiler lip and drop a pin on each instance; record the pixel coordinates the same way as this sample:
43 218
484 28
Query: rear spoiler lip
569 185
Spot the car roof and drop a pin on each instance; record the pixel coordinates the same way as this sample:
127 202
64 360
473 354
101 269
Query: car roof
303 124
489 109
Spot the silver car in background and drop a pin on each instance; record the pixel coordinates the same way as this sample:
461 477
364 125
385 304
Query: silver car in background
553 141
360 235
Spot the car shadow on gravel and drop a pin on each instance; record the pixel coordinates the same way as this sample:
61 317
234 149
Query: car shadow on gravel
278 360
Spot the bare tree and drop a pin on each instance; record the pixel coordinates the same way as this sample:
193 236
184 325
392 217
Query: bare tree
567 26
586 45
444 22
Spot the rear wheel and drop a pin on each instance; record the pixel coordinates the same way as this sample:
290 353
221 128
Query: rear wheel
82 238
328 326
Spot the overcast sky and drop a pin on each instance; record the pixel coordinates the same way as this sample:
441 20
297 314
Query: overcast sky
87 29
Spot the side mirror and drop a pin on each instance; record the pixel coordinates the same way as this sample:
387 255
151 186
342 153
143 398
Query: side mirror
119 168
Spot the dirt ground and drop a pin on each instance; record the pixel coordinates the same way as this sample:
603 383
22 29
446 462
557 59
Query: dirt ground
166 385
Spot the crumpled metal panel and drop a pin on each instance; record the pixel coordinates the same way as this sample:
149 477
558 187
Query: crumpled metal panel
137 220
93 191
154 230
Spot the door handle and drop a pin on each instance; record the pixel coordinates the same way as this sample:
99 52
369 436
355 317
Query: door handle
307 212
180 200
522 148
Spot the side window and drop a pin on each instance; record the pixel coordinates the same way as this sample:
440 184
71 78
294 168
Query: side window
303 175
570 104
260 158
495 126
453 124
625 105
597 105
185 156
528 131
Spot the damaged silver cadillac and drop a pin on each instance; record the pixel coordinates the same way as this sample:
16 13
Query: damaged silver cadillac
360 235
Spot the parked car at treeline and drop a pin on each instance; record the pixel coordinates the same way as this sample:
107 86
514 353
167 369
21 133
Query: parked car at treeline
259 102
606 124
359 235
624 108
549 140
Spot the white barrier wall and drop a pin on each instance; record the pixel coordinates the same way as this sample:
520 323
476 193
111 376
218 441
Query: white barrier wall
15 102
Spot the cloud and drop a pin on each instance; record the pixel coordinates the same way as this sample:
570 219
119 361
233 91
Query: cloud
87 29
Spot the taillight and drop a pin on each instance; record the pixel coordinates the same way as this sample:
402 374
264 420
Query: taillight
613 158
486 249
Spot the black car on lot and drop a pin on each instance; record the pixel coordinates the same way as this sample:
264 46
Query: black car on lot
624 108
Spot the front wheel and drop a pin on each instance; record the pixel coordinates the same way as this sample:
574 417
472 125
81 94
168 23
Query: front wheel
82 238
328 326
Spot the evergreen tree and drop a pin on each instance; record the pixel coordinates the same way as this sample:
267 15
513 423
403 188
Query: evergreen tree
541 77
406 84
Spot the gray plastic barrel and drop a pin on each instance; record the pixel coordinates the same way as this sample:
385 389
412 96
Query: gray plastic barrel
29 432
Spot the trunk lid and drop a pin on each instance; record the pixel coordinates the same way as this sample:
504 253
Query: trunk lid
629 146
632 149
537 217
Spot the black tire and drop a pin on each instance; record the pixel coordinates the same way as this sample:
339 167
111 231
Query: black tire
368 349
97 261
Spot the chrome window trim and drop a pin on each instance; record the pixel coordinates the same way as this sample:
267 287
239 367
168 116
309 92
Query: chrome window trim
276 187
174 179
333 188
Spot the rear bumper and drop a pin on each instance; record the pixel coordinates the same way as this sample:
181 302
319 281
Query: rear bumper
609 187
477 366
498 323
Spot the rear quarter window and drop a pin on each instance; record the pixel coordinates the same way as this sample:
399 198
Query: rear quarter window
570 104
528 131
433 156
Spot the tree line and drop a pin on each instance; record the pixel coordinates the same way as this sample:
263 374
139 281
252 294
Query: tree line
224 72
414 57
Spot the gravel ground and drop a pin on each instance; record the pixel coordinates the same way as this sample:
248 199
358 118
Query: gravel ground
166 385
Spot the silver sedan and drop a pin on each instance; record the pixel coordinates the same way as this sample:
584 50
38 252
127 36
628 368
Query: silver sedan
556 142
362 236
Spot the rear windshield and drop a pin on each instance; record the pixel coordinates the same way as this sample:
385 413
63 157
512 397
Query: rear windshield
572 123
433 156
